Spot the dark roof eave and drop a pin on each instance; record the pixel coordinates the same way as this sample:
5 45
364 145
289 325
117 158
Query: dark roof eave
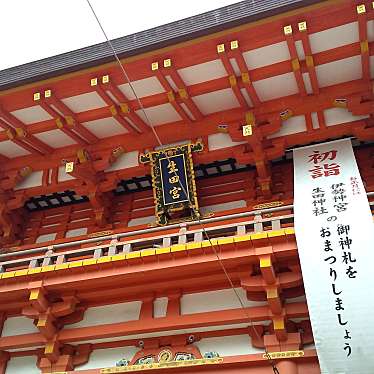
148 40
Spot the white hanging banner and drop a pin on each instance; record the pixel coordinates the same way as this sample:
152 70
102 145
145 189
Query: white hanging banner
335 238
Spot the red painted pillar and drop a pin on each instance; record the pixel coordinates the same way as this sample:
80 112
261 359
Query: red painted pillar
4 358
287 367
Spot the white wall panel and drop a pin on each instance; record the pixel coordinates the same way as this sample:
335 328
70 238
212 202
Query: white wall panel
126 160
33 180
336 116
141 221
292 125
160 306
22 365
103 358
17 326
110 314
221 140
62 175
215 300
228 345
46 237
224 206
76 232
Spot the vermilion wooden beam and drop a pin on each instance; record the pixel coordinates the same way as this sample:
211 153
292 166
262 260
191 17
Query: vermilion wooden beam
173 100
111 330
295 64
130 113
298 106
279 105
71 119
251 36
115 110
309 60
13 137
16 123
184 93
233 80
364 45
246 76
61 124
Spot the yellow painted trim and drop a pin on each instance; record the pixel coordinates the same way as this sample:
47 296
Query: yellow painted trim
193 245
309 61
49 347
278 324
272 293
48 268
364 46
62 266
226 241
75 264
21 272
242 238
259 235
178 247
274 233
148 252
265 262
295 64
89 261
289 231
34 270
8 274
104 259
161 251
34 294
132 255
119 257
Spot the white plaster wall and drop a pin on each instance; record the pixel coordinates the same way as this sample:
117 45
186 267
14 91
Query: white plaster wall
17 326
215 300
33 180
221 140
141 221
110 314
291 126
45 237
103 358
76 232
63 175
126 160
228 345
224 206
336 116
22 365
160 306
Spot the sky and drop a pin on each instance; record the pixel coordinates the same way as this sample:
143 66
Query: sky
35 29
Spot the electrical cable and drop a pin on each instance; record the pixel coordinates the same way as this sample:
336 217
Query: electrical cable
196 212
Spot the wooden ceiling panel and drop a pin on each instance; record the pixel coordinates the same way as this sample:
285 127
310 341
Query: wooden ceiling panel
334 37
11 150
105 127
143 87
293 125
55 138
160 114
278 86
31 115
84 102
216 101
335 116
267 55
340 71
202 72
